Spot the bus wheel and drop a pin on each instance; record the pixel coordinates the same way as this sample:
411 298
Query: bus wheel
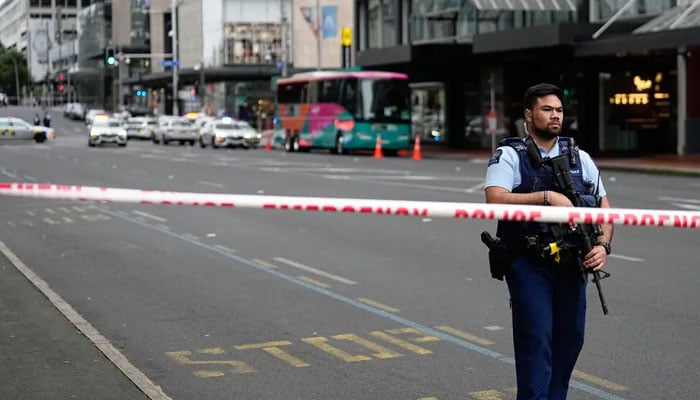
339 145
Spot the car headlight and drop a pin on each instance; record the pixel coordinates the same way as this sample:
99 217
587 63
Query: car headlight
121 133
94 134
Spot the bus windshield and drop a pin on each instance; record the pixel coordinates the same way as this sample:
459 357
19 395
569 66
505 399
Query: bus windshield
383 100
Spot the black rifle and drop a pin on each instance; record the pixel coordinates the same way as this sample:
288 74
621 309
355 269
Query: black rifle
587 232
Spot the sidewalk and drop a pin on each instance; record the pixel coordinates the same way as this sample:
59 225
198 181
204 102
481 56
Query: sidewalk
657 164
45 357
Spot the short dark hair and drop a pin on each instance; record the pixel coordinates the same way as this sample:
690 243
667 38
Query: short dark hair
540 90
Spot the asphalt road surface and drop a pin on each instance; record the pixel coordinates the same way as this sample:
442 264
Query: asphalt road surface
217 303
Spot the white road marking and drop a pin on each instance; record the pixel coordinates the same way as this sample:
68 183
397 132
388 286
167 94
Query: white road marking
626 258
687 206
207 183
10 174
153 391
151 216
315 271
675 199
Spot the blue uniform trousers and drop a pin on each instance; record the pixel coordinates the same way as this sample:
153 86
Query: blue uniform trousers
549 314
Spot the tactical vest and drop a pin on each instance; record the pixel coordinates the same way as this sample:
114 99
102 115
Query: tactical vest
537 177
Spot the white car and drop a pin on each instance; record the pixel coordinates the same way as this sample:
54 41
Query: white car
17 128
177 129
227 132
140 127
107 130
92 113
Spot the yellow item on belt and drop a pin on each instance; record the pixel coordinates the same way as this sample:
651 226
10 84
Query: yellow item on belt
554 251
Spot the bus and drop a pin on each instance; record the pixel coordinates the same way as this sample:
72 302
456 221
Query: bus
343 111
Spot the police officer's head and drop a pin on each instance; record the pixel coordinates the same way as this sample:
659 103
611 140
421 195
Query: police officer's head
543 112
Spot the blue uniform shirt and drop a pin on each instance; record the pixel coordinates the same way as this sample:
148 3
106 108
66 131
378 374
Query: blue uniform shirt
504 168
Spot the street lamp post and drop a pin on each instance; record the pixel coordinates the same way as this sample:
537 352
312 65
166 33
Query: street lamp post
173 30
16 80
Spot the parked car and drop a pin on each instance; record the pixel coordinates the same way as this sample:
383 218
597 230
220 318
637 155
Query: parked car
140 127
17 129
178 129
107 130
227 132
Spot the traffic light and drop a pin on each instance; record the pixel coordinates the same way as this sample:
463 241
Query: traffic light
110 59
61 88
140 93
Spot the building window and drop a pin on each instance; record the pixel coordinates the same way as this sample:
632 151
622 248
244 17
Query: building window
252 43
389 27
374 24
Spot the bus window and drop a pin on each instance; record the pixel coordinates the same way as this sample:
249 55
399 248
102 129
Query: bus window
348 98
311 95
328 90
384 100
292 93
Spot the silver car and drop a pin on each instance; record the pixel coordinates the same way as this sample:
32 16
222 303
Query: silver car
227 132
175 129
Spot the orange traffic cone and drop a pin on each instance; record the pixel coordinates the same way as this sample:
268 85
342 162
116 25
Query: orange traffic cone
268 144
378 148
416 149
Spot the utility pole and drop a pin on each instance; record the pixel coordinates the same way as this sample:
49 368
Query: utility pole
318 34
283 31
173 26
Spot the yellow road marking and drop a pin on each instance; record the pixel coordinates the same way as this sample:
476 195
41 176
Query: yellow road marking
224 248
381 351
313 281
51 221
182 357
599 381
264 264
208 374
49 211
64 209
464 335
273 349
400 342
487 395
320 343
422 336
378 305
428 398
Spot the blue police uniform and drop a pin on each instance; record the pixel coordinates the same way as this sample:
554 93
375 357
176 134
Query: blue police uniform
548 301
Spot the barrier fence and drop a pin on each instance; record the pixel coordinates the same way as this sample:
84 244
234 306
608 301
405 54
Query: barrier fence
424 209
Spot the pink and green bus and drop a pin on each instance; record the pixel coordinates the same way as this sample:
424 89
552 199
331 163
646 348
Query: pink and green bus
344 111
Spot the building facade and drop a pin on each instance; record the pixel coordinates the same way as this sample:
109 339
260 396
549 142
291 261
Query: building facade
500 48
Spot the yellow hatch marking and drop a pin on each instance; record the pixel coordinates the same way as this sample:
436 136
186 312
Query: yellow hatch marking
378 305
313 281
464 335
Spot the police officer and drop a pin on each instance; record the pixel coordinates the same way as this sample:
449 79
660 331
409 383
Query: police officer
47 120
548 301
37 119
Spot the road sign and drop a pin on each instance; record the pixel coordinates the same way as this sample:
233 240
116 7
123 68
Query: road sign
492 121
346 36
169 63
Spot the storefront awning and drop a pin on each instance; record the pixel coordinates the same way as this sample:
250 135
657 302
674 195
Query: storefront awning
525 5
679 17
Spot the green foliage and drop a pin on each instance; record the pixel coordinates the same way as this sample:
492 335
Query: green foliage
7 71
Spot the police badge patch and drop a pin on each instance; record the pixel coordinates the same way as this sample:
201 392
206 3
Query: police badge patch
496 157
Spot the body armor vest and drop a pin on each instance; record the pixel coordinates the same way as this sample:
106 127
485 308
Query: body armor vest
538 176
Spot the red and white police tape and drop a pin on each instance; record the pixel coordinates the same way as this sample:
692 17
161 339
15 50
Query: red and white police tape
425 209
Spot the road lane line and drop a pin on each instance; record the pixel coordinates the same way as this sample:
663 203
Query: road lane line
576 384
313 281
378 305
315 271
599 381
464 335
151 216
680 199
265 264
224 248
626 258
214 184
140 379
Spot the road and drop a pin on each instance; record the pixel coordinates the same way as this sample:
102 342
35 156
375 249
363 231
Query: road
216 303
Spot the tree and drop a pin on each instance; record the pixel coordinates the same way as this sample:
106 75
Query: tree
8 78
